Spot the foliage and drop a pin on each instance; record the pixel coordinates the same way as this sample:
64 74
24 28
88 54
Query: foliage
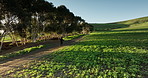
106 54
31 18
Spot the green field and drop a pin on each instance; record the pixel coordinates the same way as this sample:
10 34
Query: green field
103 54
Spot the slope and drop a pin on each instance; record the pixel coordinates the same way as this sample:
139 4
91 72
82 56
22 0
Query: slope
133 24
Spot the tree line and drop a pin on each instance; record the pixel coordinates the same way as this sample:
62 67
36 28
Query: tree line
30 19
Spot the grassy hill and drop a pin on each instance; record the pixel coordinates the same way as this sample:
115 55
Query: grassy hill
134 21
134 24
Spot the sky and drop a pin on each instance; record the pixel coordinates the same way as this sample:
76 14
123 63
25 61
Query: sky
105 11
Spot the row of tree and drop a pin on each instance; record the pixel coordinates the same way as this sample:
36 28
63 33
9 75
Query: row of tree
33 18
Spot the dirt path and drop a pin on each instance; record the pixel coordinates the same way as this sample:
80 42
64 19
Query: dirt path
16 62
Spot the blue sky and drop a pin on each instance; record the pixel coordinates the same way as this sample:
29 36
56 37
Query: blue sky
105 11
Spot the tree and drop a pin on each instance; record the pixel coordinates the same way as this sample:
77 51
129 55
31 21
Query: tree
8 19
62 14
39 10
32 18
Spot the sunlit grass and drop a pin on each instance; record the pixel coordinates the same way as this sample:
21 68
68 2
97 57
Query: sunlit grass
20 52
72 37
9 39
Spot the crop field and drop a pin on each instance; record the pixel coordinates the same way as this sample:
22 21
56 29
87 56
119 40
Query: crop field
103 54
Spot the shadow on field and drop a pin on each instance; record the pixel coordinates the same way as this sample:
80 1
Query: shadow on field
108 26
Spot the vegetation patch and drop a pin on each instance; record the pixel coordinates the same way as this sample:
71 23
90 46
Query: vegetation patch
21 52
72 37
106 54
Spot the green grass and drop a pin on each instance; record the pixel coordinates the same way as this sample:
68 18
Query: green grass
134 21
8 39
19 53
106 27
106 54
141 26
135 24
72 37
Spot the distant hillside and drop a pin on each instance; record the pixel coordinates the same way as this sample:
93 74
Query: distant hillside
133 24
106 27
135 21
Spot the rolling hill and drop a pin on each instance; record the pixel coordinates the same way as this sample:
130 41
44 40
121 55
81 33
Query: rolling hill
135 21
133 24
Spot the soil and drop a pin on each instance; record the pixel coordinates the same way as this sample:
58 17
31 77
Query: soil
21 60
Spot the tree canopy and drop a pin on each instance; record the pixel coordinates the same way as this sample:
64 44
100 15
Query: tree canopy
31 18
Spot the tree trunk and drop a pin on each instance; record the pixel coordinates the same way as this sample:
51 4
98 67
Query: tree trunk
2 40
23 41
13 39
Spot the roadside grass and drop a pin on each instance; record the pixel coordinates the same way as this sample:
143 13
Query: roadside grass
19 53
72 37
104 54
